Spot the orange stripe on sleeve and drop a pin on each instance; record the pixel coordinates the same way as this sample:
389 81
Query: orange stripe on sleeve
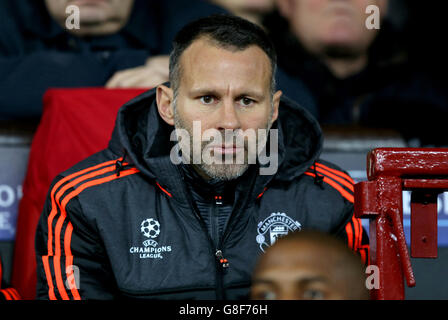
335 185
58 276
336 178
60 222
349 231
338 172
54 211
46 264
363 255
6 294
67 236
366 250
13 292
363 249
53 199
356 235
360 232
69 261
64 189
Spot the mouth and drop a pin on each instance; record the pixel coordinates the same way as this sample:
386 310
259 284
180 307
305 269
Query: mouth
230 149
88 2
340 10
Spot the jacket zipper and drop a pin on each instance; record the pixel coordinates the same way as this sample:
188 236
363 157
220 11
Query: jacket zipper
220 294
216 232
223 263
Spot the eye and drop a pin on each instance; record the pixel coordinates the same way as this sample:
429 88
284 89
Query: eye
264 295
207 99
312 294
246 102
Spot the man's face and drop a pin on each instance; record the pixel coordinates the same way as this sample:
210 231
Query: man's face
96 16
323 25
228 92
293 271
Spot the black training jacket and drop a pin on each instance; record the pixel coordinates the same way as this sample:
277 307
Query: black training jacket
122 224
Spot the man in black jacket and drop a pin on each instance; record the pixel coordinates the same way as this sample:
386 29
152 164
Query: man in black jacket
152 217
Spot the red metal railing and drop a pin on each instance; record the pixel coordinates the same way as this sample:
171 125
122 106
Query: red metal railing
390 171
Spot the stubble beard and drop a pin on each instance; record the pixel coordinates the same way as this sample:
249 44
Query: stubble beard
223 171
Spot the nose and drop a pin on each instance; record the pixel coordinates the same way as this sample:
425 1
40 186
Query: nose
228 116
288 295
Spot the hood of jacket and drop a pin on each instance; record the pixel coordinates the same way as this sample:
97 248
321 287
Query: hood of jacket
144 137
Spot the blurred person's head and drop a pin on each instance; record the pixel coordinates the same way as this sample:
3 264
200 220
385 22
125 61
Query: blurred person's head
309 265
97 17
222 75
252 10
333 29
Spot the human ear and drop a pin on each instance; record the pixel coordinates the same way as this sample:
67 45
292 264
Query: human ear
275 105
164 99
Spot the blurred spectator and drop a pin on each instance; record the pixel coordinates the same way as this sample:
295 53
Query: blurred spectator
358 76
120 43
257 11
252 10
309 265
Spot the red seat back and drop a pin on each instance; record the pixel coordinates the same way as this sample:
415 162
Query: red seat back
75 124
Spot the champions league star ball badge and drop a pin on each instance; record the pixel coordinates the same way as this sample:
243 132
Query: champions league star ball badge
150 228
273 227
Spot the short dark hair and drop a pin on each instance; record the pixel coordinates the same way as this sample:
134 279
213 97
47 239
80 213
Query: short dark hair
227 31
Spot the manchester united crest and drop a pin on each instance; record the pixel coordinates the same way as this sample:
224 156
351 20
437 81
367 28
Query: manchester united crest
273 227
